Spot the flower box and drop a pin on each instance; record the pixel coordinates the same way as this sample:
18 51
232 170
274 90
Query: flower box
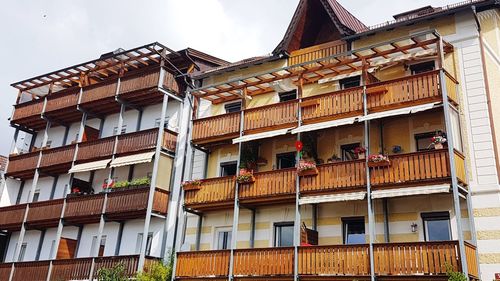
383 163
308 173
245 176
191 185
306 168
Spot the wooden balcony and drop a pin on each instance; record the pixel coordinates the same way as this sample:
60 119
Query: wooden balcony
214 193
343 176
33 271
5 269
129 263
44 214
133 203
11 217
71 269
100 98
28 114
216 128
141 89
137 142
57 160
264 262
271 117
317 52
169 140
23 166
213 264
273 186
95 150
83 209
61 107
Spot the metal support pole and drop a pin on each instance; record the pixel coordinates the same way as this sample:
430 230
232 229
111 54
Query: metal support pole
198 232
296 224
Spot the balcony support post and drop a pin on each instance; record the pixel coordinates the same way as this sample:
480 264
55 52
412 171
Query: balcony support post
453 173
296 223
99 237
154 176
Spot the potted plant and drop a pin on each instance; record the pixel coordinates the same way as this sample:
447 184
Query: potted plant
191 184
140 182
245 176
360 151
378 160
307 168
438 141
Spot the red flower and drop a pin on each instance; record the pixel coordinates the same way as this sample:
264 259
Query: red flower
299 145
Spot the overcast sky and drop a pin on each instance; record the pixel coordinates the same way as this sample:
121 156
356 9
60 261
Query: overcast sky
43 36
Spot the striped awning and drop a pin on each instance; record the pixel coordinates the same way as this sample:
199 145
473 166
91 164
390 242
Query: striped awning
132 159
259 136
325 125
91 166
332 198
408 191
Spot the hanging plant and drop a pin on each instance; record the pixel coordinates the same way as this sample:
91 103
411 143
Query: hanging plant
307 168
378 160
245 176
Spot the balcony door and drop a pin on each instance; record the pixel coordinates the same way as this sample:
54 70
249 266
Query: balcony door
228 168
437 226
283 234
223 238
285 160
354 230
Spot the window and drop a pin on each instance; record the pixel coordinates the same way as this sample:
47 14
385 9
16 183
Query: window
102 245
52 248
347 151
423 141
228 169
437 226
287 96
22 251
233 107
36 195
283 234
157 122
422 67
223 239
285 160
456 130
123 130
354 230
350 82
149 241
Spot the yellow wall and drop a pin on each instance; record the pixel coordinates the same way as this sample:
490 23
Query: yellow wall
219 155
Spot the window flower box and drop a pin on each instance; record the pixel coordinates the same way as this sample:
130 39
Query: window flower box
438 141
307 169
245 176
191 185
378 160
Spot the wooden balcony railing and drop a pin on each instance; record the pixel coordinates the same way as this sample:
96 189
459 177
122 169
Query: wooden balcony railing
160 201
84 206
203 264
62 100
129 263
58 155
131 203
170 83
264 262
405 91
340 104
22 162
212 192
471 258
451 87
272 116
137 141
11 217
317 52
417 167
332 177
269 185
33 271
27 109
334 260
460 167
99 91
5 269
141 82
169 140
44 213
216 126
96 149
71 269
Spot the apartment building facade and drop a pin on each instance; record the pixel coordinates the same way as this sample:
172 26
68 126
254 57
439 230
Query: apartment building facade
378 193
92 164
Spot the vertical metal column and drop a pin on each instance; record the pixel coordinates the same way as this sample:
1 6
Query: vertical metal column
296 224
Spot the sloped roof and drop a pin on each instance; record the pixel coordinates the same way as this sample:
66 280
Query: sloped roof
346 18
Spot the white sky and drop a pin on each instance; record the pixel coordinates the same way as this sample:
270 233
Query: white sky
43 36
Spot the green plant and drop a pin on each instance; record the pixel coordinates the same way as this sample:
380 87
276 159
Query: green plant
454 275
140 181
116 273
158 271
121 184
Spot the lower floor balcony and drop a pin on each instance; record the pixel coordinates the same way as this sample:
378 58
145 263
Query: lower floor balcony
415 259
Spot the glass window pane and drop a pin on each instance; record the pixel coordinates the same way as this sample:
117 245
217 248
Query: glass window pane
438 230
354 231
286 236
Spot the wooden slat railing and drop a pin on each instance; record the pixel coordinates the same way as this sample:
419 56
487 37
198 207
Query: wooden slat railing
334 260
271 116
335 105
27 109
416 258
216 126
99 91
270 184
264 262
471 258
169 140
23 162
140 82
130 264
130 200
62 100
405 91
317 52
137 141
12 217
160 201
203 264
451 87
212 191
96 149
333 177
460 167
5 269
71 269
58 155
85 205
170 83
33 271
49 210
432 165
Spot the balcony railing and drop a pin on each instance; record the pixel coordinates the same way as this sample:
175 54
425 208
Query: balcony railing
98 92
96 149
216 126
57 156
137 141
334 260
44 213
62 100
203 264
169 140
264 262
214 192
460 167
272 116
83 208
317 52
23 163
272 185
27 109
71 269
5 269
12 217
133 203
34 271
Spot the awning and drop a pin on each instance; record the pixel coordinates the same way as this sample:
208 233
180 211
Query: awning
332 198
325 125
259 136
407 191
91 166
401 111
132 159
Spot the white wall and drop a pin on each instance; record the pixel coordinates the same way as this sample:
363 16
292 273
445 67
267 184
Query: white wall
131 230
